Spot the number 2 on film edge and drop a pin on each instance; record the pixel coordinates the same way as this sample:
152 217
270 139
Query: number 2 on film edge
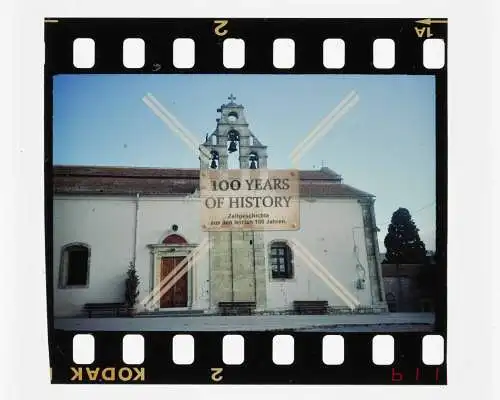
216 374
219 24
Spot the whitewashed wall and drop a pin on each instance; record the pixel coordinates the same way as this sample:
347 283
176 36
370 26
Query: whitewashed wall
106 224
327 228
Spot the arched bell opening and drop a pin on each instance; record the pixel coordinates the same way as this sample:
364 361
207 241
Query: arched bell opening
233 139
233 150
214 163
253 161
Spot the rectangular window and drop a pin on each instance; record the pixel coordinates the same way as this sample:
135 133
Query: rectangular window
281 261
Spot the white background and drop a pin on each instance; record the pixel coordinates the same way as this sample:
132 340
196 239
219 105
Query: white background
472 219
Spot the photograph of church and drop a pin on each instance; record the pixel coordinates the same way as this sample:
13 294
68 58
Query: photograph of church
114 222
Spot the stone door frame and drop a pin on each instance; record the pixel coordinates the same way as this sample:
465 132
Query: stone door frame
160 251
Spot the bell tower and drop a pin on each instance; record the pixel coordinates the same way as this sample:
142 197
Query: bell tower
237 260
232 134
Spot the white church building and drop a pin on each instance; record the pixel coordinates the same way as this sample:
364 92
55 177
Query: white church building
104 218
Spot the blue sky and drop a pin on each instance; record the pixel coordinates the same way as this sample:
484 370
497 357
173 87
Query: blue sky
384 145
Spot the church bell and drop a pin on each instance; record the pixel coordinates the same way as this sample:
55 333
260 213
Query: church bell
213 165
232 146
253 165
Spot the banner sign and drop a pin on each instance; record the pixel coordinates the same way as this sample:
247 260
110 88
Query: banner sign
249 200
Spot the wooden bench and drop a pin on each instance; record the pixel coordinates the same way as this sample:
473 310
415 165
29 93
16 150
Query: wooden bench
311 307
341 310
356 310
114 308
236 307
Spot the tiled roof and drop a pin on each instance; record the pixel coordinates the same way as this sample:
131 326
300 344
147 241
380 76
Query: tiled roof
324 174
66 170
175 181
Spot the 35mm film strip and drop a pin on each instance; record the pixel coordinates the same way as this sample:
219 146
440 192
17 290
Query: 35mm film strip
379 346
311 46
242 358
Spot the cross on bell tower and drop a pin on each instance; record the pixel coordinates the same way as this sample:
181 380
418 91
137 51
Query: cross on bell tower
232 134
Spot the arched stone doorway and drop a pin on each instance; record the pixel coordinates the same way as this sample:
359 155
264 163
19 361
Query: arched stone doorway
173 272
172 278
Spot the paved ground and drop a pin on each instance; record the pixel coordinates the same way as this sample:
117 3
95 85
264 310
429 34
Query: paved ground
369 328
389 322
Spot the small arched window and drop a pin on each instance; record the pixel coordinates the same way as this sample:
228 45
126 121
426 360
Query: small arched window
281 258
75 265
232 117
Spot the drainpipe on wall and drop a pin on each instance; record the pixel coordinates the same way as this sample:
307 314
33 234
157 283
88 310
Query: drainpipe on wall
136 222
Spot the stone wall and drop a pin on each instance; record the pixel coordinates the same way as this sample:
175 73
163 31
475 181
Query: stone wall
403 291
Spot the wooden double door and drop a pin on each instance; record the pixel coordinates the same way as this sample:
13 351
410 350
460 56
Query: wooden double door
177 295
